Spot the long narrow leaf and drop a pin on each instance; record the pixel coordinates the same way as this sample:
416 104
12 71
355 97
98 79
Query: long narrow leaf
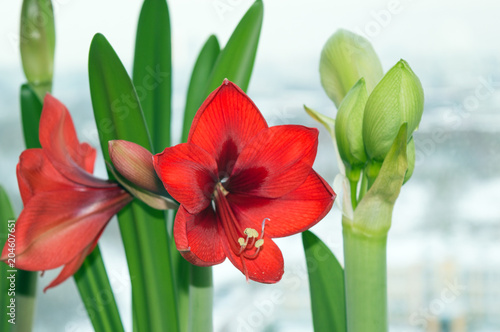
198 84
143 229
326 284
152 75
237 58
96 293
6 214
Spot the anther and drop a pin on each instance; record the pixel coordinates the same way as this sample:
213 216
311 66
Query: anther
259 243
250 232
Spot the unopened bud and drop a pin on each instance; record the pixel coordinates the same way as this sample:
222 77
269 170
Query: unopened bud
398 98
345 58
349 127
37 42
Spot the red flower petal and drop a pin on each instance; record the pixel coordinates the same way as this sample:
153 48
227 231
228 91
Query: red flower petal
36 174
55 226
267 267
74 265
197 239
275 162
189 174
59 142
291 214
225 123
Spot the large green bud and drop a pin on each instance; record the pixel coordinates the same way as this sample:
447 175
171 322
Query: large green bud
345 58
398 98
37 42
349 127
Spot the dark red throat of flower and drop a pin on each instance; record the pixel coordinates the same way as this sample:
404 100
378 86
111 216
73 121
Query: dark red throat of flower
245 244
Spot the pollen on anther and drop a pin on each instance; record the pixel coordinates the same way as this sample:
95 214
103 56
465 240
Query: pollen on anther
241 241
250 232
259 243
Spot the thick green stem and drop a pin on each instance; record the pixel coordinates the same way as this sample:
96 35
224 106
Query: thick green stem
365 281
201 299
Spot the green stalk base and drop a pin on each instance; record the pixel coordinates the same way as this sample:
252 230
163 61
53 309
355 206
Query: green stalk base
365 281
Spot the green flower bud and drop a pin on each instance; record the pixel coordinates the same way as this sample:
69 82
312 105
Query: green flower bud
37 41
410 156
345 58
349 127
397 98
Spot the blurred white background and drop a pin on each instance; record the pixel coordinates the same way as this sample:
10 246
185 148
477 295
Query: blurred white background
443 252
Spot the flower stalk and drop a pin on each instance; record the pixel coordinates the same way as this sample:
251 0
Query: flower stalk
365 281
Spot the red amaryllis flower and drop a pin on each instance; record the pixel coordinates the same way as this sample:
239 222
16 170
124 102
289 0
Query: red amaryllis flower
241 183
65 207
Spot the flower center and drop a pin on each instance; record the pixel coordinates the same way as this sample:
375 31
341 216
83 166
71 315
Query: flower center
245 244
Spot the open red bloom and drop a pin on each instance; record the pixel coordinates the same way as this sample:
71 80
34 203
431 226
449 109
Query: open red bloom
241 183
65 207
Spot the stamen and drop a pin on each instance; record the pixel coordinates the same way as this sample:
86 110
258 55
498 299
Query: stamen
241 243
251 232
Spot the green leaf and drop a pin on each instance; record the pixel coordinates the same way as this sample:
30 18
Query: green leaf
326 285
96 293
198 84
118 115
397 98
236 60
114 99
6 214
152 73
31 110
374 213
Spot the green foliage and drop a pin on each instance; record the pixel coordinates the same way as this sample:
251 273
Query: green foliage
152 75
326 286
143 229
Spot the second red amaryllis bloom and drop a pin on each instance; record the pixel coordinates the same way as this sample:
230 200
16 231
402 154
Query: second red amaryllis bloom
241 183
65 207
